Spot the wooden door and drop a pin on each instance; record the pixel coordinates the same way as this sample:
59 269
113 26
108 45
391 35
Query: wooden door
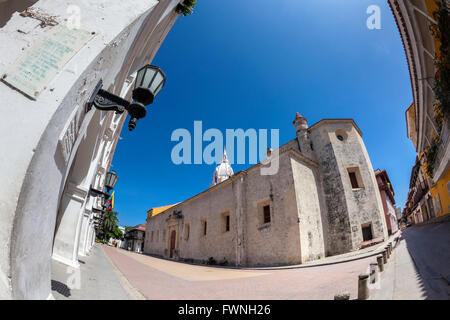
173 239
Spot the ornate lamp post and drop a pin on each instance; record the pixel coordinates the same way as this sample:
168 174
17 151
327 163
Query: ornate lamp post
149 82
111 180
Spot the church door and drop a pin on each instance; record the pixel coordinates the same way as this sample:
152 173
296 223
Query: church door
173 238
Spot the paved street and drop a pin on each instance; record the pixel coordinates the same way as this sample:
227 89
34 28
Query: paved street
162 279
417 269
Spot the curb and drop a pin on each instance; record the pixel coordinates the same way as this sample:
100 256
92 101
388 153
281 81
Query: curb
352 258
297 266
127 286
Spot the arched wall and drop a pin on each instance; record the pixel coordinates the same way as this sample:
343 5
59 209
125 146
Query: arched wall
105 57
73 201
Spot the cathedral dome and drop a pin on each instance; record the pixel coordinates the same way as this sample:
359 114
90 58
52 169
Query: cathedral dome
223 170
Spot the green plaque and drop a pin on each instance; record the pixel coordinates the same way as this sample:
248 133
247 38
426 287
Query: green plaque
32 71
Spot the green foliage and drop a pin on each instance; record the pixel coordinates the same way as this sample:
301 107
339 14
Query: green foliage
110 226
186 7
110 220
117 233
441 31
431 153
438 118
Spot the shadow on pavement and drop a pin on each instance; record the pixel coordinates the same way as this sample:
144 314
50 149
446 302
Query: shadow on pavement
61 288
428 247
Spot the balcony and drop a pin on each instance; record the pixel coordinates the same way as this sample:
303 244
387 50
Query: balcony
419 194
134 235
442 154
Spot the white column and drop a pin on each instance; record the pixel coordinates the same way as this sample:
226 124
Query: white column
65 248
83 245
93 235
89 239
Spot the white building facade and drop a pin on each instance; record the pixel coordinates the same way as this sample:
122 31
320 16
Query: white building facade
53 149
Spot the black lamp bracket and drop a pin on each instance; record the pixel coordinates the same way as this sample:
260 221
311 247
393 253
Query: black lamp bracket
95 210
97 193
106 101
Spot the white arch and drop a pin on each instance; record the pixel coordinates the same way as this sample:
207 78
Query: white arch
44 174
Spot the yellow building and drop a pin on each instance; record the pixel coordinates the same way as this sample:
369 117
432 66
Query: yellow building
410 115
157 210
427 125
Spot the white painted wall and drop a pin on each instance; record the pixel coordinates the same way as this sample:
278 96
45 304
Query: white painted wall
33 172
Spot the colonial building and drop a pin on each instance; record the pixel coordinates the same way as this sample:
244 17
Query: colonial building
388 200
54 148
428 117
134 238
323 201
419 206
152 213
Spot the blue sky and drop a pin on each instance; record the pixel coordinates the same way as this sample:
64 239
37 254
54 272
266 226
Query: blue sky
254 64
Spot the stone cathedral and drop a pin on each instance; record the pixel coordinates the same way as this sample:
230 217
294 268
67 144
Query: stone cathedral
323 201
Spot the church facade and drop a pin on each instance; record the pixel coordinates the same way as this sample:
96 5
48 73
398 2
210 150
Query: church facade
323 201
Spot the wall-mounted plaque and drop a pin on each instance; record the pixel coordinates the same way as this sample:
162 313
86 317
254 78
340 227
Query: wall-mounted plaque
32 71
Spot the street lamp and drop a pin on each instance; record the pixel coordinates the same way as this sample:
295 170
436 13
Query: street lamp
149 82
111 180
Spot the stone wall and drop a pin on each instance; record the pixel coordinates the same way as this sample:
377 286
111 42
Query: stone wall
349 209
314 210
309 194
277 242
293 235
193 244
337 231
